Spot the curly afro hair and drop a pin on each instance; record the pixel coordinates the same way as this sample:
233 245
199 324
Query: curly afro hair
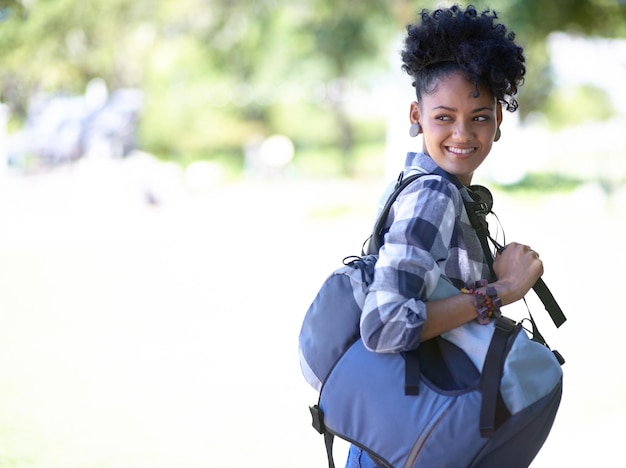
452 39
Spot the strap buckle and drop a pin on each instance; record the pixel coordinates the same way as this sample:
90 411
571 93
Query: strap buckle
318 419
505 324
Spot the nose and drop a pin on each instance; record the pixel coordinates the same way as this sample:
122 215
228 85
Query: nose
461 131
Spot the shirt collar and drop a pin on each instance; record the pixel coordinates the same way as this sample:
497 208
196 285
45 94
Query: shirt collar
425 164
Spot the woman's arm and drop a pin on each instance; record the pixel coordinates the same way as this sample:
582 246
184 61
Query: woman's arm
426 225
517 269
423 226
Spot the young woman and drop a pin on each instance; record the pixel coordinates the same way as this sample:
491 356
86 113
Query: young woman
466 68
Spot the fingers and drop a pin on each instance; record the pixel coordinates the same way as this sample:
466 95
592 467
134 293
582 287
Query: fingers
521 254
531 251
525 248
518 267
535 256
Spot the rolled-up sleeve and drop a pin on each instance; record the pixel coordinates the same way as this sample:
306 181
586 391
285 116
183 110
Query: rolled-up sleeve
422 227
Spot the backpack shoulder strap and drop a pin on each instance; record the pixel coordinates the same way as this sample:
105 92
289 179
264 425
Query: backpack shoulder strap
375 241
477 211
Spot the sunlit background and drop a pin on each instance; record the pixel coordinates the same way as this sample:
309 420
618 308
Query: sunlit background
178 178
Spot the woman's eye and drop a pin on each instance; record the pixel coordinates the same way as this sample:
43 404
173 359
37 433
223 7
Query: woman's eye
443 118
481 118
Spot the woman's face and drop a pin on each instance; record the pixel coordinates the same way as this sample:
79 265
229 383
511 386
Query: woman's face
458 125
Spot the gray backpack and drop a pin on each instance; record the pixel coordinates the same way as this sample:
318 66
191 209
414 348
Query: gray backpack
475 396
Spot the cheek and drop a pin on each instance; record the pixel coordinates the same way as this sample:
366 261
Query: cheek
433 135
488 144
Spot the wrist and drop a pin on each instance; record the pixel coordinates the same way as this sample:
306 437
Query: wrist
485 300
506 292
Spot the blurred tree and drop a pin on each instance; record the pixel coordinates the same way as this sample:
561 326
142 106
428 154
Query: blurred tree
215 73
537 18
266 64
218 72
274 53
346 34
534 20
595 102
59 45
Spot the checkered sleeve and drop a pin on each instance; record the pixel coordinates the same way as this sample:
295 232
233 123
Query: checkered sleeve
423 230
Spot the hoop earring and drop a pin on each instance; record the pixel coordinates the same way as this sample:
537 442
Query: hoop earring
498 134
415 129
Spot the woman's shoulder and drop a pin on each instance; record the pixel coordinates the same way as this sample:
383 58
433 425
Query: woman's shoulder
430 197
430 176
429 184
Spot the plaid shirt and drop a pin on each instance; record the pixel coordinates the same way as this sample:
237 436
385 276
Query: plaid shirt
429 235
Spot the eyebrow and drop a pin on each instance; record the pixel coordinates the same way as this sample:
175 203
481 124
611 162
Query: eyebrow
452 109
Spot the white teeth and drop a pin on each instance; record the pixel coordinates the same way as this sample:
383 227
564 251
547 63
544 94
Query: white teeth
461 150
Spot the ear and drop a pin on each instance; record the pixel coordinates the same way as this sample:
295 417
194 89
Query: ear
414 114
499 114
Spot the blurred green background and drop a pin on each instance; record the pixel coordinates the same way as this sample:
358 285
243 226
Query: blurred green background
219 77
178 177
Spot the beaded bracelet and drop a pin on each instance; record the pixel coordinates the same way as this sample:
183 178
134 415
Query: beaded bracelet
487 304
496 302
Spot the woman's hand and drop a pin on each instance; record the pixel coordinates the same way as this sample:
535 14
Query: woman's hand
517 268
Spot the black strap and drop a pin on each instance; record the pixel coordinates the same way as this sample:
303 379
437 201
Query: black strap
538 337
492 374
411 374
480 225
376 238
328 441
318 423
542 291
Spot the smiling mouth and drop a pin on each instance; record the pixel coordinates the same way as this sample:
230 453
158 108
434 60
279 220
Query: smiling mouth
460 151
